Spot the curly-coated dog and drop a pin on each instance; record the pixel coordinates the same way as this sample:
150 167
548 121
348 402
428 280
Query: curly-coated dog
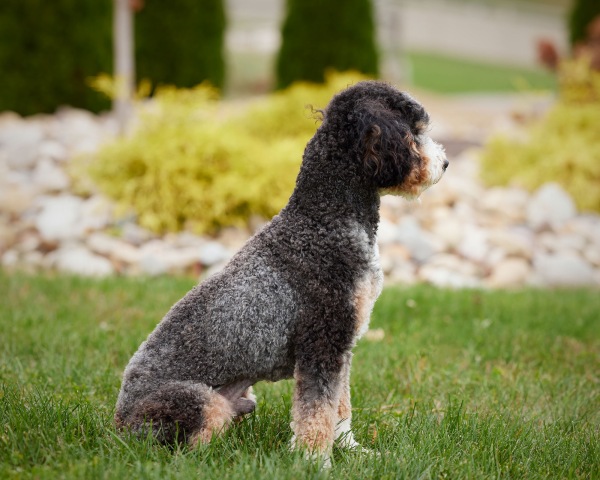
296 298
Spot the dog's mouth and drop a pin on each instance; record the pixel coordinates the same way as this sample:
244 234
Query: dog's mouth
437 162
429 171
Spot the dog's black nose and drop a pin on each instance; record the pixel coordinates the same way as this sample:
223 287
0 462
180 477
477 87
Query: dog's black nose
446 163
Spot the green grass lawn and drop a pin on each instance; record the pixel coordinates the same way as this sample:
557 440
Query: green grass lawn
454 75
465 384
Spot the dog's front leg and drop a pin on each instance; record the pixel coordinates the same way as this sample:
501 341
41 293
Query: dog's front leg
315 411
343 432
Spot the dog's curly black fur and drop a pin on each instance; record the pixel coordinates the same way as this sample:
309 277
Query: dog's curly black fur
295 299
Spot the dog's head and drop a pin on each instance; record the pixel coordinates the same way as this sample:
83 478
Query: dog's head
390 128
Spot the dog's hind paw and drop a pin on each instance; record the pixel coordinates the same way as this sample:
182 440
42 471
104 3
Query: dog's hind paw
249 394
243 406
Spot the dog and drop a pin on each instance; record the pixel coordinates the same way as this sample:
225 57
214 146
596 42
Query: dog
298 295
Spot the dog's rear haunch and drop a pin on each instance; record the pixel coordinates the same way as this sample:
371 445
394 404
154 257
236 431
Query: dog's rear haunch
296 298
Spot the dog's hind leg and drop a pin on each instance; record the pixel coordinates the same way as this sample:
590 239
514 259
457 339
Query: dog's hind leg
182 412
240 396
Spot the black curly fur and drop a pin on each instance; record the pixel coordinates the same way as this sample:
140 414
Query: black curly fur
288 302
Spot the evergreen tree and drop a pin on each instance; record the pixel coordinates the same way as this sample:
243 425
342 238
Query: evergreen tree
48 50
180 42
326 34
582 14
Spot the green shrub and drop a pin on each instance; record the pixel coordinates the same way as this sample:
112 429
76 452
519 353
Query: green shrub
180 42
200 164
562 147
47 51
318 35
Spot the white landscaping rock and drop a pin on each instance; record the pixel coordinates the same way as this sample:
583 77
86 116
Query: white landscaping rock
10 259
152 260
49 177
387 232
158 257
592 255
552 242
113 248
446 278
96 213
133 233
517 243
29 242
8 236
474 244
448 270
181 259
20 142
213 253
459 235
449 230
16 199
404 273
188 239
78 130
78 260
421 244
53 150
511 272
59 218
586 226
562 269
550 206
393 257
508 203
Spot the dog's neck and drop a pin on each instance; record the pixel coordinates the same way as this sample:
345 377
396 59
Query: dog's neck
330 186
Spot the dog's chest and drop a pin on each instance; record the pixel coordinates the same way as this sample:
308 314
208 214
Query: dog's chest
366 290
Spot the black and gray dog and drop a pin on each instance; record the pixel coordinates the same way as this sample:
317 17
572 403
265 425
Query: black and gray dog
296 298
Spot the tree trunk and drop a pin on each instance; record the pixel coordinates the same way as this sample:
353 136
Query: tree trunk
124 66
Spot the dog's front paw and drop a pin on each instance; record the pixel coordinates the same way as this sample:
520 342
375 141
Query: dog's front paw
345 439
322 458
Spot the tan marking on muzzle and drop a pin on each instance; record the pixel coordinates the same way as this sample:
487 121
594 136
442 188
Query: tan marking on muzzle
415 181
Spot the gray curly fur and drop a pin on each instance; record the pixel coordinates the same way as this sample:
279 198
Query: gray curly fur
285 305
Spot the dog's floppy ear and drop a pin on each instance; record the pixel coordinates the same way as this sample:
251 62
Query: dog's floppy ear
387 144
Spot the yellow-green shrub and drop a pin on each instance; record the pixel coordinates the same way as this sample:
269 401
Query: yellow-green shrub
563 147
194 162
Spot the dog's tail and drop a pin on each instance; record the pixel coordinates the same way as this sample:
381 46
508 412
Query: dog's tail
185 412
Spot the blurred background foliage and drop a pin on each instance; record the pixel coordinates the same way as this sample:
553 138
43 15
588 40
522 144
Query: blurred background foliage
49 50
342 39
196 163
180 42
580 17
563 146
